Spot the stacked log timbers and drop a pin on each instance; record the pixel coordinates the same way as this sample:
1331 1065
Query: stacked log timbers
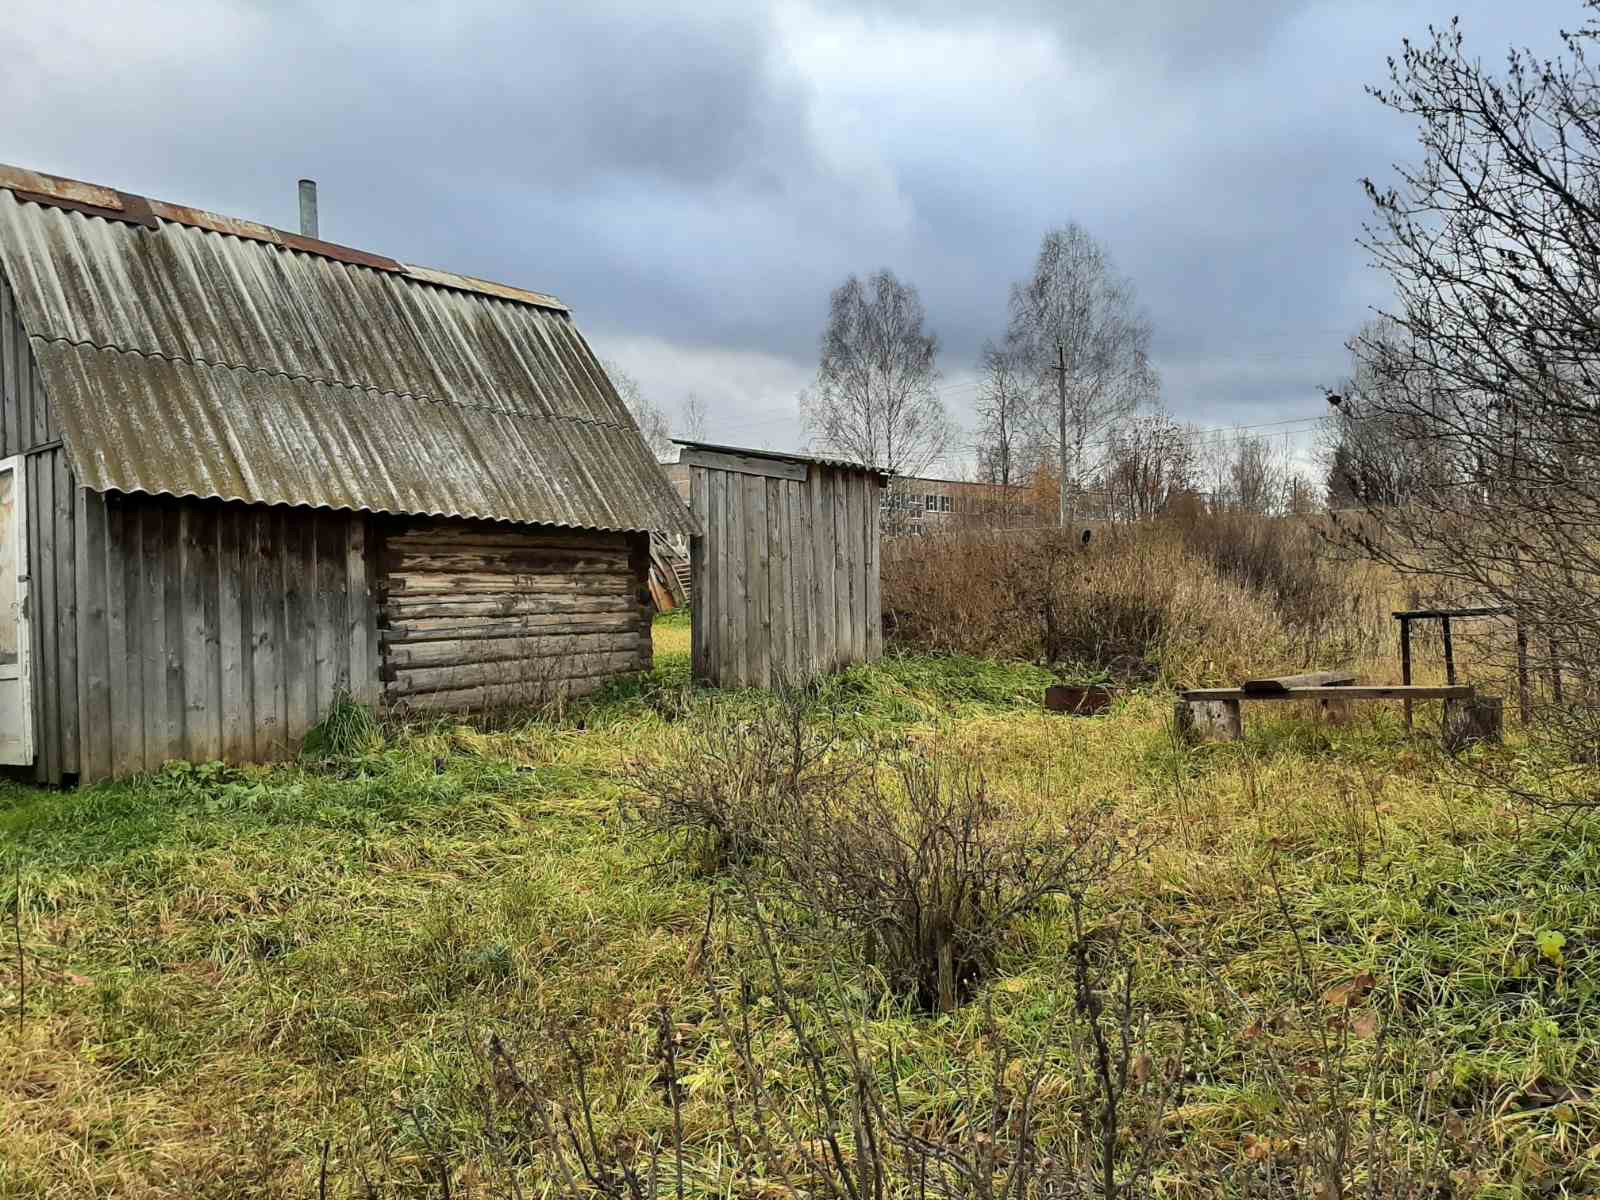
475 615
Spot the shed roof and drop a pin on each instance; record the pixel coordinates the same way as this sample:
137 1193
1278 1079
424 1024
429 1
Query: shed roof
196 355
840 464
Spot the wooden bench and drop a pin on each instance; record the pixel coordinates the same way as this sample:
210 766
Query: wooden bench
1216 714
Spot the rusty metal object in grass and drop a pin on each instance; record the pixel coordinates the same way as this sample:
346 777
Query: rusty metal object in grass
1080 700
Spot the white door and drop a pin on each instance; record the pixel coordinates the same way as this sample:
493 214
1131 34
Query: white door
16 676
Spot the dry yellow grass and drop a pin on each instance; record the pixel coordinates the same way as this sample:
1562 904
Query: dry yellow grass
227 969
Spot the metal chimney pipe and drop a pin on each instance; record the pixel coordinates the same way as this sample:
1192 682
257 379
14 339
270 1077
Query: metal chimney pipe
308 208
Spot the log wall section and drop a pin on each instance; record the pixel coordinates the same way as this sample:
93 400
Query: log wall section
786 573
210 630
483 614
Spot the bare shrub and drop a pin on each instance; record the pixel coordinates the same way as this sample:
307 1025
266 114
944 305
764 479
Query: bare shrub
850 1124
723 778
1131 591
929 869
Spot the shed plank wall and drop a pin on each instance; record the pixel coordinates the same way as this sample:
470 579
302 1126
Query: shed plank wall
785 575
28 427
182 622
478 613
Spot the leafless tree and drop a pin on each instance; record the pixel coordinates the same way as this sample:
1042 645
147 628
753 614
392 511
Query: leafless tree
1005 408
693 419
874 400
1489 380
1247 473
652 422
1150 461
1076 325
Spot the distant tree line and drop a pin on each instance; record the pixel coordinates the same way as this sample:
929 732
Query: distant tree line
1070 420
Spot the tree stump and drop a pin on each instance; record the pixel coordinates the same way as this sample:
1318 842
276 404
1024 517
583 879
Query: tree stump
1209 721
1468 722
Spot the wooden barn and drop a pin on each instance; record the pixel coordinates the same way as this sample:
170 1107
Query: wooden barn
243 471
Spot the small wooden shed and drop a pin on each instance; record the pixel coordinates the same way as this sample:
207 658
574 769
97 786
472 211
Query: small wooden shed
244 471
786 570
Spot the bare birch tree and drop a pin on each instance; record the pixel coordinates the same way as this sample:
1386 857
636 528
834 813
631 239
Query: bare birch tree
1007 434
874 400
693 420
652 422
1076 324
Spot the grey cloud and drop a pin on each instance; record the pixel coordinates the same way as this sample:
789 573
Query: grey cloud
694 179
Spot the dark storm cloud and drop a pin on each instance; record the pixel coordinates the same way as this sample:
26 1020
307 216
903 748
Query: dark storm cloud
695 179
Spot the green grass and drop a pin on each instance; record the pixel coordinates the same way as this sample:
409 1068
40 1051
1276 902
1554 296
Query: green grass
228 967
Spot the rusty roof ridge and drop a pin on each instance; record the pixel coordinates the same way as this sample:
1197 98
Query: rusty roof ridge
276 373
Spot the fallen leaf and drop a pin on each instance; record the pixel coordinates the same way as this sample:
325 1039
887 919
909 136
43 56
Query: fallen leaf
1365 1025
1351 991
77 980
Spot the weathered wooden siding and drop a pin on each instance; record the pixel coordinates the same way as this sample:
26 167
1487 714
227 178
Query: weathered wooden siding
28 427
209 630
786 574
476 613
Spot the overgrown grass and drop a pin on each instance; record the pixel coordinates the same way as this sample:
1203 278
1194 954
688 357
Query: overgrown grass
227 969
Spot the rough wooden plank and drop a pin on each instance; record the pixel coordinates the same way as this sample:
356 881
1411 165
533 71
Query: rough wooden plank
40 479
478 698
402 608
473 651
1282 683
459 535
10 331
361 675
716 572
697 582
235 633
447 628
736 671
824 627
94 650
429 679
67 610
857 487
1358 692
758 638
776 563
333 628
153 633
429 584
841 569
743 464
873 533
265 569
178 746
124 636
201 685
297 588
503 563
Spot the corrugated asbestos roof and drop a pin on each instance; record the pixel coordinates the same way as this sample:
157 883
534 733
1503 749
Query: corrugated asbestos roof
185 360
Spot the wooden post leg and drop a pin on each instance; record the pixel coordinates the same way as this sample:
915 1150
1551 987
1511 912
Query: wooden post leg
1467 722
1449 654
1405 662
1524 693
1209 721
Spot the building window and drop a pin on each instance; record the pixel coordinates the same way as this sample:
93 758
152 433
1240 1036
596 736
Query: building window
944 503
932 502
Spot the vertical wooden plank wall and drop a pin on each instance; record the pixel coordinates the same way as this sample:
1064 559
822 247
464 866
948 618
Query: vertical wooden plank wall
786 574
28 427
207 630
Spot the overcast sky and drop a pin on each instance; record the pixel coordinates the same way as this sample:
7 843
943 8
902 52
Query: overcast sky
694 179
